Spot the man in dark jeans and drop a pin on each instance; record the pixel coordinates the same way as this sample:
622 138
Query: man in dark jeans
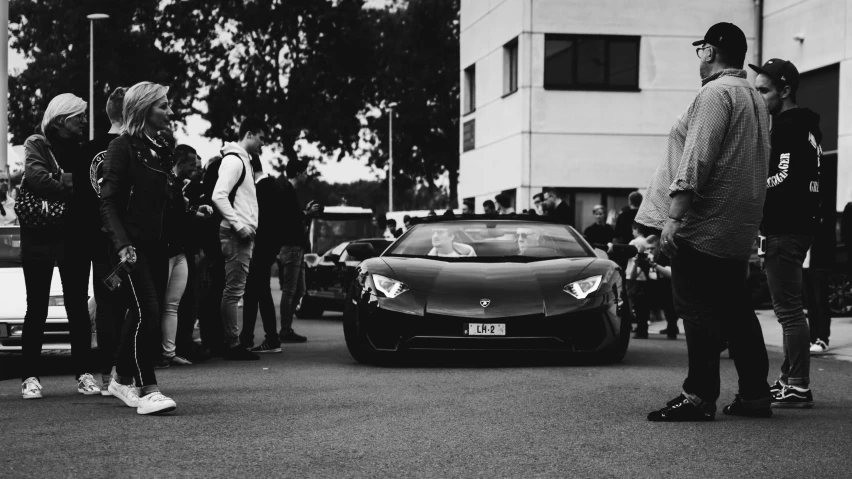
707 198
291 262
790 219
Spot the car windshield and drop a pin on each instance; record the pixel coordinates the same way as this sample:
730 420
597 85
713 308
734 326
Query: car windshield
10 247
478 240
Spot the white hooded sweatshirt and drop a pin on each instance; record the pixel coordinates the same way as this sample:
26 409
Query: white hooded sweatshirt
244 210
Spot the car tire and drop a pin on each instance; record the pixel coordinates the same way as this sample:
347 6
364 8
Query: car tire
618 350
309 309
357 342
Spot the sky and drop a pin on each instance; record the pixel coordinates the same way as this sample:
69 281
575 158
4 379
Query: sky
345 171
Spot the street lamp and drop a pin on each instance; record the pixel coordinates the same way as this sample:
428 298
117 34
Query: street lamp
92 18
390 163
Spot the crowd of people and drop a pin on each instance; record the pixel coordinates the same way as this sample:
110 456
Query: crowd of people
168 244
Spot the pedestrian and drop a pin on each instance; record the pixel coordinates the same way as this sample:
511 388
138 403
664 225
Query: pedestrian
467 208
50 156
637 274
406 222
7 203
790 219
660 287
140 161
111 308
258 296
504 205
557 208
235 197
624 222
599 233
816 275
294 245
707 198
393 230
538 202
488 208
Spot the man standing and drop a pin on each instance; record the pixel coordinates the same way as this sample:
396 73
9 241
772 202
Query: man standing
7 203
504 205
558 209
707 198
291 257
624 223
538 202
790 220
235 199
488 208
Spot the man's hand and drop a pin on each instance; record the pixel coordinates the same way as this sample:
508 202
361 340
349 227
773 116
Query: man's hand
313 209
246 233
204 211
667 240
128 254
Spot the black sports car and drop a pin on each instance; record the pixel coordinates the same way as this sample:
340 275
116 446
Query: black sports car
487 284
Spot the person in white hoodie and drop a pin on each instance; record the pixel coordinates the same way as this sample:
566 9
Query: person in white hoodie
235 198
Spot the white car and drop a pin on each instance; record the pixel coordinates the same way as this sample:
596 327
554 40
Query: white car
13 299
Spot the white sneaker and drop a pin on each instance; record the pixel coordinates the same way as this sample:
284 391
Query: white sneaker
31 389
155 403
819 347
86 385
128 394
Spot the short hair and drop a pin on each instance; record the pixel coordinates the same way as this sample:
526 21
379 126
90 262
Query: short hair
138 101
59 109
254 126
406 219
115 105
488 204
635 199
502 200
600 208
552 192
182 153
294 167
256 165
651 239
391 221
538 197
781 85
732 60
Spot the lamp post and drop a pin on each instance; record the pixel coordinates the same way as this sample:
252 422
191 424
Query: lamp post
92 18
390 163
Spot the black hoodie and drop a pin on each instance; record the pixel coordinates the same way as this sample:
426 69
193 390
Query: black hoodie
792 189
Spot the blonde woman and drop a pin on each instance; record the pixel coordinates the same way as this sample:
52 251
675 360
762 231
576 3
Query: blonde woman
50 155
137 188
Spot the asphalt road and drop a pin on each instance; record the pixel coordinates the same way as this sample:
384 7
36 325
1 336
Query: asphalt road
313 412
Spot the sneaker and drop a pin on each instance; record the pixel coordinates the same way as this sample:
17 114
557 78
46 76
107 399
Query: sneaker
155 403
819 347
793 397
776 388
757 408
87 385
266 348
162 363
640 335
292 337
128 394
681 409
177 360
31 389
240 354
670 333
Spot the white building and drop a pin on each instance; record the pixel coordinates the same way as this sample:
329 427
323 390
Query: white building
581 95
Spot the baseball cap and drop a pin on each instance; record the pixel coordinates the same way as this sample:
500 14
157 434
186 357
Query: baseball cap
780 71
726 36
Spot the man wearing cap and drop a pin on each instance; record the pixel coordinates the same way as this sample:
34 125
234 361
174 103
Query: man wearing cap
790 220
707 198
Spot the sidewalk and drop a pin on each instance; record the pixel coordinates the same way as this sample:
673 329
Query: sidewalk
840 342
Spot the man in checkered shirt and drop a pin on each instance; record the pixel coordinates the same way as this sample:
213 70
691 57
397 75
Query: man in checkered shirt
707 198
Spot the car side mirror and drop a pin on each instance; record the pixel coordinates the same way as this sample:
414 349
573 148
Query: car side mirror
332 258
622 252
361 251
601 253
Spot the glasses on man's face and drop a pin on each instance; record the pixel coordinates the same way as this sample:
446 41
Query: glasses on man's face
699 51
440 231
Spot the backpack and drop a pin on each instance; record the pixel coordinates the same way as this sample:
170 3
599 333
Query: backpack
210 231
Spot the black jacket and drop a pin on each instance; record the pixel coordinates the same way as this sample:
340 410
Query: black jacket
136 187
291 216
269 236
624 225
87 171
562 214
792 189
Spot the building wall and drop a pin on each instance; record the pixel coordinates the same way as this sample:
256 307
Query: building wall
826 26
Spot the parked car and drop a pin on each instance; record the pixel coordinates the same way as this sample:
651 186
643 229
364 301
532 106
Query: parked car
327 277
13 306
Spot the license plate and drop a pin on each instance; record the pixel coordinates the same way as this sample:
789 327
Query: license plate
479 329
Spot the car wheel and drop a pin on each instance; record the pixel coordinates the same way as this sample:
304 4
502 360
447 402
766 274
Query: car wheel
840 294
618 353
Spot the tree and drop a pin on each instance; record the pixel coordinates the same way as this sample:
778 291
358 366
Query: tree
54 35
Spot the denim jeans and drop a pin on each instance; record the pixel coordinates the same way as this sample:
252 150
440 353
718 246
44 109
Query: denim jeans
237 254
291 273
711 297
816 297
783 262
174 292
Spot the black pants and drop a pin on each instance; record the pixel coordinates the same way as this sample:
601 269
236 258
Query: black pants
711 297
187 309
142 291
212 270
662 299
816 300
639 296
258 295
111 308
74 273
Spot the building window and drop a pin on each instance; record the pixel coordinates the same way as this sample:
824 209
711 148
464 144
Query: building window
591 62
510 67
469 136
469 89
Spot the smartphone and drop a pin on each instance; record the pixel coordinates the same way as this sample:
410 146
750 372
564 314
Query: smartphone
116 276
761 246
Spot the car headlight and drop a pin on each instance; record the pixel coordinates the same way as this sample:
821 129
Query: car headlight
389 287
584 287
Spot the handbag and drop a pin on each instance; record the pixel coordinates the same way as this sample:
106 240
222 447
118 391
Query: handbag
36 211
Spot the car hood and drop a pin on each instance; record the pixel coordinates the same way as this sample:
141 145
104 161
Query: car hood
15 293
